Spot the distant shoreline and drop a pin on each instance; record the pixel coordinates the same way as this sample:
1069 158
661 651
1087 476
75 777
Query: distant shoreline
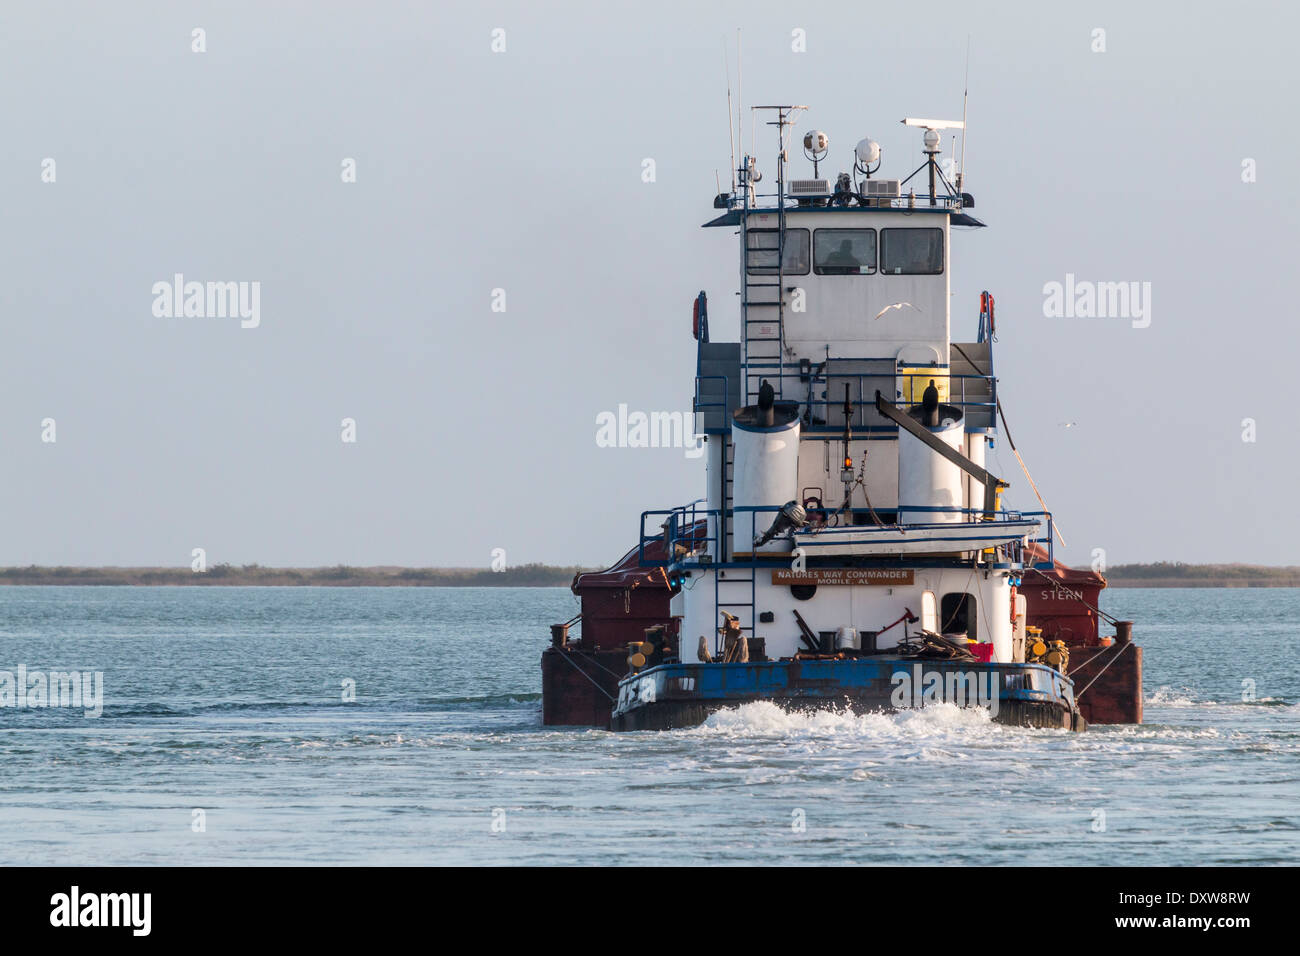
1159 575
1174 574
253 575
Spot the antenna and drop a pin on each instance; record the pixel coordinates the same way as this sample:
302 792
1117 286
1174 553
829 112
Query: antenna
961 168
740 92
731 139
784 121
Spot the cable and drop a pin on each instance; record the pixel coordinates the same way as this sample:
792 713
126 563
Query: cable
965 590
1122 649
1096 610
1055 527
586 675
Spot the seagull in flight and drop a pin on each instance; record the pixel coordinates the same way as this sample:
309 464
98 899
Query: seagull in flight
896 305
1067 424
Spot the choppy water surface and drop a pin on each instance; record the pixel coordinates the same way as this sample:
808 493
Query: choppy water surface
230 700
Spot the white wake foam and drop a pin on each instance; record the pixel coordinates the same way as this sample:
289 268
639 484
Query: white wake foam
765 719
1168 696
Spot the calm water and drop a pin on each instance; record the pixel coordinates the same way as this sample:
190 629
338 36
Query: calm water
230 700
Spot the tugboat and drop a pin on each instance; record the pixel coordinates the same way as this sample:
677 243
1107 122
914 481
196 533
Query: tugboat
852 549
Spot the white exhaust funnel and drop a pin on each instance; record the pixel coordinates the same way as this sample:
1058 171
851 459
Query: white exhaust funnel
765 472
926 480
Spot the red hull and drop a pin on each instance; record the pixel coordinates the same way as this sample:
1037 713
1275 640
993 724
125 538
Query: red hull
580 677
1107 676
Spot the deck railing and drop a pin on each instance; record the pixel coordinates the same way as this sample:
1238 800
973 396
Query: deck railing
691 532
711 416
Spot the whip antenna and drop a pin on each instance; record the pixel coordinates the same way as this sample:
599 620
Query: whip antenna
740 93
961 169
731 137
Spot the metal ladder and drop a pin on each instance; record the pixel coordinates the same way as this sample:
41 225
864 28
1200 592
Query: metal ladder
745 578
741 584
725 515
759 366
755 367
756 358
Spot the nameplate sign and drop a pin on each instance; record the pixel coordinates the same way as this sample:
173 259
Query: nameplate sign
879 576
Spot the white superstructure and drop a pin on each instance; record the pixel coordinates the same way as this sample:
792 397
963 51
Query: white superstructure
854 512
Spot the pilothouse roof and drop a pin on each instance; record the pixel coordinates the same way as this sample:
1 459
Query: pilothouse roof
856 192
957 217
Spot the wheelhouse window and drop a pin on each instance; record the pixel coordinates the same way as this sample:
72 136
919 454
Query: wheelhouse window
844 252
760 254
911 252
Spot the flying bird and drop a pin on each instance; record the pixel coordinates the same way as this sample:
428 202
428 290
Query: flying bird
896 305
1067 424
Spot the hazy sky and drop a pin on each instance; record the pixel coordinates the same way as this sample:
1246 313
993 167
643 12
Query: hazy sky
522 170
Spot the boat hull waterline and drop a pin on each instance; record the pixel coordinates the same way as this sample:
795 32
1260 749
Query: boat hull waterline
678 695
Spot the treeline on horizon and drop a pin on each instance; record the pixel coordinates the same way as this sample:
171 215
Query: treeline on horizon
341 575
1157 574
1176 574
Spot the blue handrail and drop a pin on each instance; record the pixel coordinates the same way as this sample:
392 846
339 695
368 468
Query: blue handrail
700 406
694 529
